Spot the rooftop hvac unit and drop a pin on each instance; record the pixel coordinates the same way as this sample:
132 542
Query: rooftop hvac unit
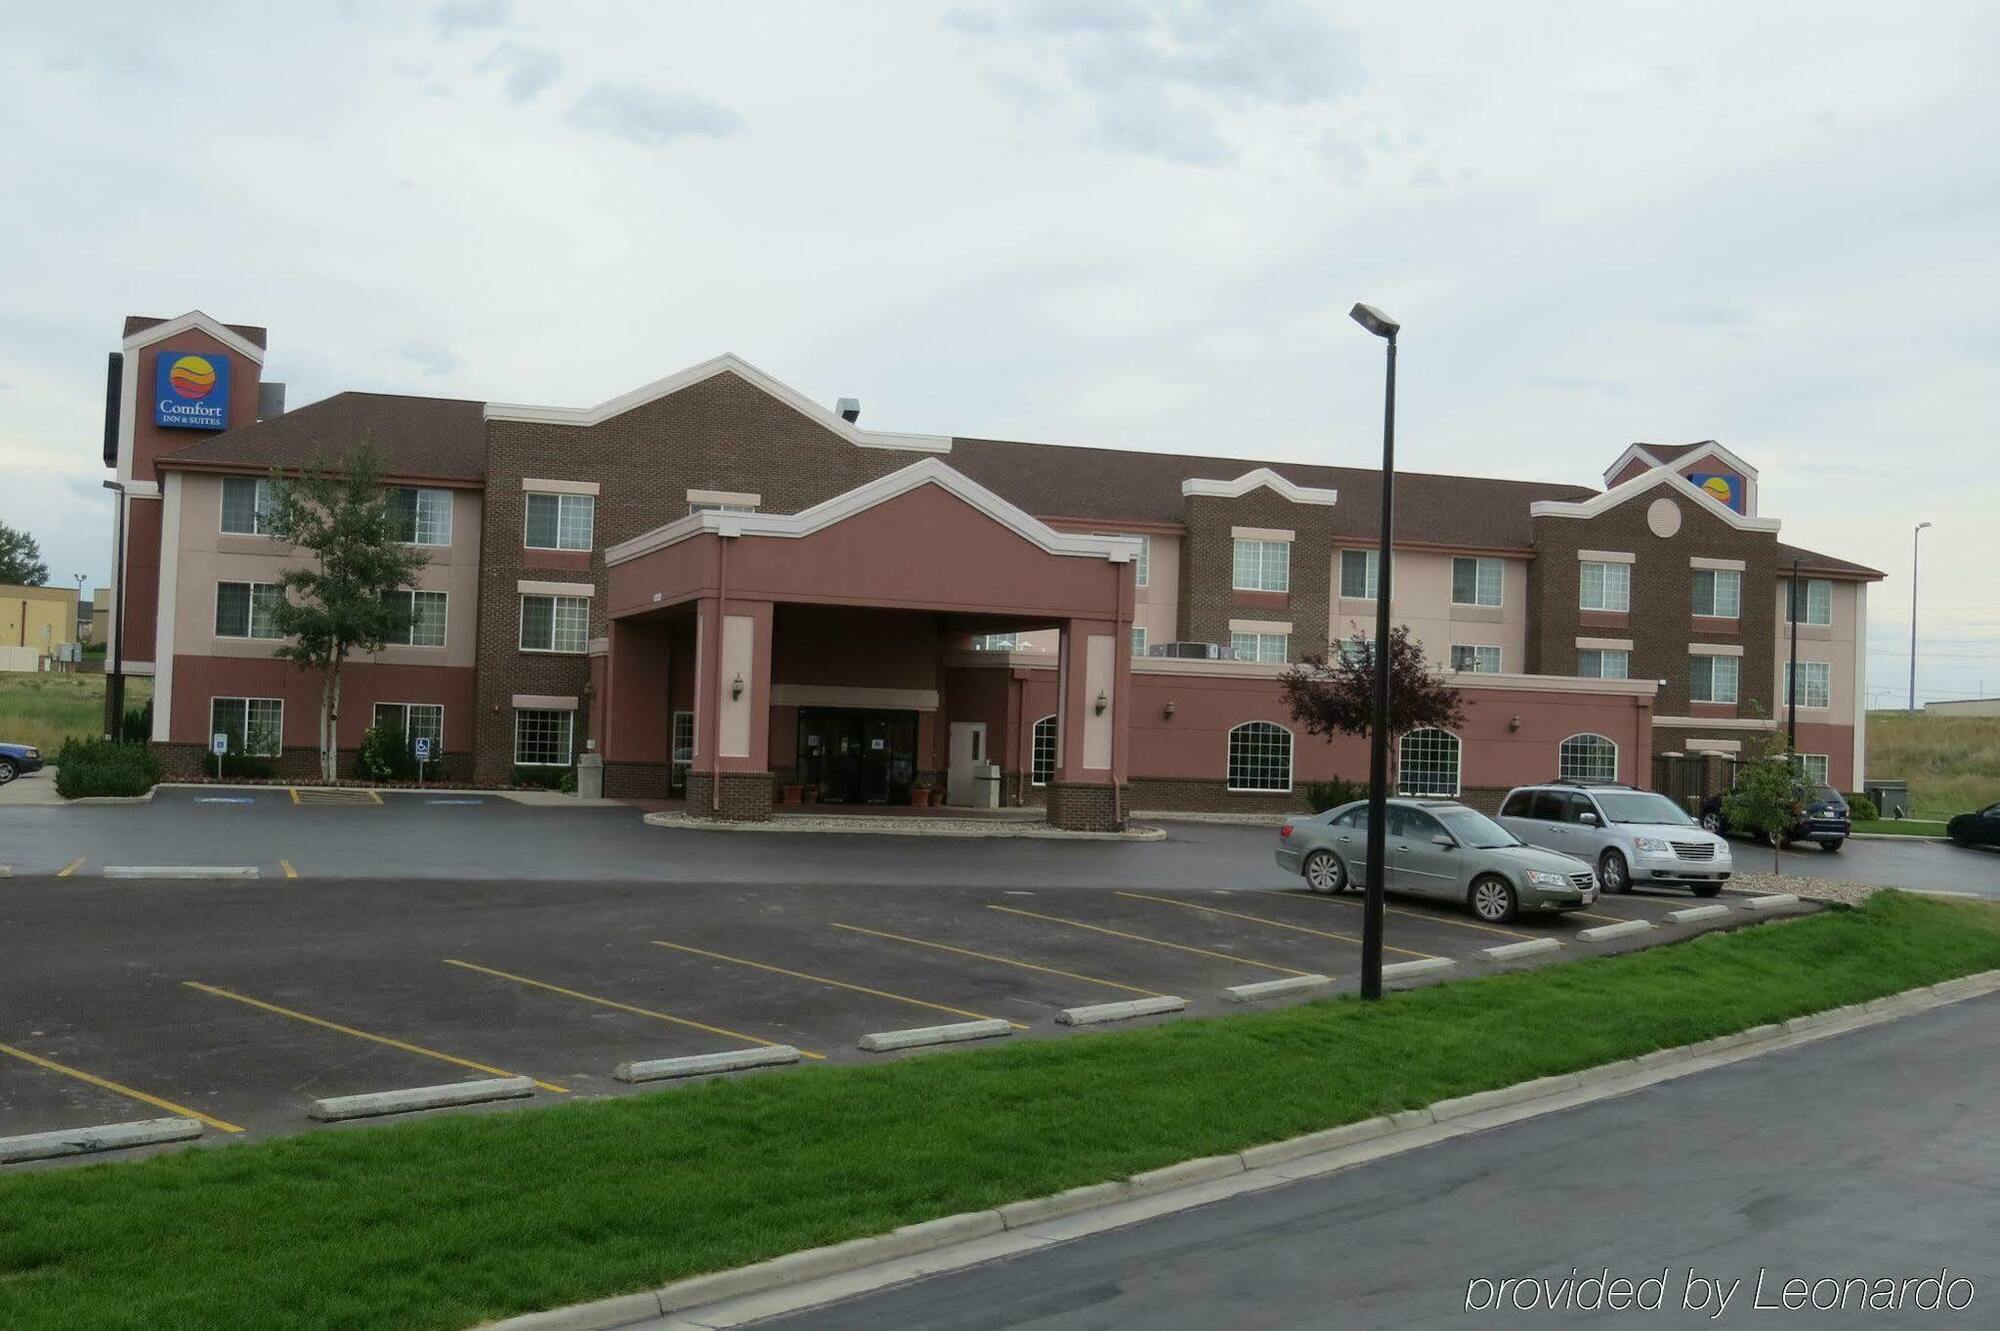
1186 651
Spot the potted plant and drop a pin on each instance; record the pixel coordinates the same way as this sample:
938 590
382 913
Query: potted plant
791 794
923 792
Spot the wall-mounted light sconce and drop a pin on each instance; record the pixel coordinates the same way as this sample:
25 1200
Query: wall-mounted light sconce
1102 702
1172 707
736 687
1514 723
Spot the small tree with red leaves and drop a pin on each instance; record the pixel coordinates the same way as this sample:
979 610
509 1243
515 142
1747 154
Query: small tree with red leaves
1335 694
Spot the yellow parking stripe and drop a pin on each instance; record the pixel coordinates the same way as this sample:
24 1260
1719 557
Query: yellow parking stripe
366 1035
1156 942
70 868
286 865
293 791
1400 910
1003 961
1275 924
837 984
623 1007
119 1088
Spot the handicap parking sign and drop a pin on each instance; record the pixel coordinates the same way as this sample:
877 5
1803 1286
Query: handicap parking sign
220 742
423 748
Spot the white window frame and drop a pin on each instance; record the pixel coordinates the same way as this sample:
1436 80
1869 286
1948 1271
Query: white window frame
1352 648
278 731
1809 672
1138 640
1229 757
1371 574
1603 654
434 500
555 608
1036 748
1715 672
1431 738
569 735
1563 770
250 633
1478 651
996 642
1812 586
564 502
1265 648
410 630
1806 761
674 747
1716 600
1481 566
1273 560
437 749
260 507
1607 583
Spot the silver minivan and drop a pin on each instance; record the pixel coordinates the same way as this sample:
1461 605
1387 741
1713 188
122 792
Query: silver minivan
1631 835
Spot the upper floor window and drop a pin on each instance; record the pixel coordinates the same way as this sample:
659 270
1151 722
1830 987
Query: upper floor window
1263 566
1817 596
1718 593
1138 640
561 521
246 505
1475 660
1353 649
555 623
707 506
1603 663
1712 678
1267 647
420 517
1606 587
1476 581
1815 687
1814 766
425 612
247 609
1360 572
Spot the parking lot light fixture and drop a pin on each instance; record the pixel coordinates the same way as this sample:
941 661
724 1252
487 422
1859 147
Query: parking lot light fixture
1382 326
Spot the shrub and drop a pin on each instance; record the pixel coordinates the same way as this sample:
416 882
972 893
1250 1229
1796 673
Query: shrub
1861 808
543 778
137 726
1333 792
104 767
385 755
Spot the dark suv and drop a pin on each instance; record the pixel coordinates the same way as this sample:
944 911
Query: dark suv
1819 815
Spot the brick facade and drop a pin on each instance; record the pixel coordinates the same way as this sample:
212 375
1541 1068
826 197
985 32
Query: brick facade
1188 795
1208 564
746 796
1084 807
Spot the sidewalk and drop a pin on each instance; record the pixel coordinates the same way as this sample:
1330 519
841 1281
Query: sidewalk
36 790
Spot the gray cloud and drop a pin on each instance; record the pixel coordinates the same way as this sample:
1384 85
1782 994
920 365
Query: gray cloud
464 15
526 69
643 115
430 358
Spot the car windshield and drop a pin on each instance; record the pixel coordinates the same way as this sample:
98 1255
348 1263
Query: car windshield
1641 806
1827 795
1476 830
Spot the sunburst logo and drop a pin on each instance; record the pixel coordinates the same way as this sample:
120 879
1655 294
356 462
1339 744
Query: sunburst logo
193 377
1720 490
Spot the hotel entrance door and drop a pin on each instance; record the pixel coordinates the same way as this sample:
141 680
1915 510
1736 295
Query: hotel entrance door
851 757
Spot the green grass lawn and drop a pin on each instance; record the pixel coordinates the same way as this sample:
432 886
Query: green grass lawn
1900 827
445 1222
45 710
1951 762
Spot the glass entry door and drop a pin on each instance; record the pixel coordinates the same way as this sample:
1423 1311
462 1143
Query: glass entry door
852 757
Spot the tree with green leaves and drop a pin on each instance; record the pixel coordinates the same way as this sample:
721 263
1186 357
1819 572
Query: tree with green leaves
343 602
1336 696
1765 801
21 563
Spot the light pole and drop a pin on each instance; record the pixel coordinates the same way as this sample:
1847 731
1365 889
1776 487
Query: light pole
1915 538
1382 326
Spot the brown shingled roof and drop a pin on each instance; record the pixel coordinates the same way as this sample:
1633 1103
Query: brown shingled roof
251 333
1813 562
1057 480
430 438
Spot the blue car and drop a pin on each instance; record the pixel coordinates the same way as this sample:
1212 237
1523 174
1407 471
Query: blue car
18 760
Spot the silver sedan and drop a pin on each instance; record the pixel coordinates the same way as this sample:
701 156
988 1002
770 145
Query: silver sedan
1440 849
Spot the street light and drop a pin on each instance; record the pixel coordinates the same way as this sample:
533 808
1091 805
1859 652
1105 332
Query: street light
1915 537
1382 326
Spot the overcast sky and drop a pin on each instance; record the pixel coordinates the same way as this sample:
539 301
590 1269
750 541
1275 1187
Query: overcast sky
1129 224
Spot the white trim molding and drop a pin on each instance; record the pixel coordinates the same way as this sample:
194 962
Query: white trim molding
1707 449
1606 557
1260 626
166 610
841 695
1709 745
1281 534
727 363
740 498
142 489
597 647
1250 480
1605 644
1716 722
1716 565
529 587
1630 688
927 471
1645 483
1715 649
544 702
529 486
194 321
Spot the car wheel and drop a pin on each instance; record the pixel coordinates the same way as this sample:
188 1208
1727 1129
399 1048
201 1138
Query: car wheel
1611 872
1712 823
7 771
1832 845
1493 900
1706 889
1325 873
1962 842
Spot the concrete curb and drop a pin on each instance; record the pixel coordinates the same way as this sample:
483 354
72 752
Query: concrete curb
375 1104
1296 984
803 1280
1693 913
1507 951
1402 970
146 798
702 1065
1097 1013
851 825
85 1141
1226 819
1770 901
1604 931
543 799
880 1042
203 871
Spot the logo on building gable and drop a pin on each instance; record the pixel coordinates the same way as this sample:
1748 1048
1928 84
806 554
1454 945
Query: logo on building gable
191 391
1724 488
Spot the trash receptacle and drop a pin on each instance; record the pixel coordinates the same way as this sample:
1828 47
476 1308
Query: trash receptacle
986 786
1891 797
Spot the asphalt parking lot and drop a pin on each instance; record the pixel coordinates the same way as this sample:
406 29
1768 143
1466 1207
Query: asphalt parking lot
241 1002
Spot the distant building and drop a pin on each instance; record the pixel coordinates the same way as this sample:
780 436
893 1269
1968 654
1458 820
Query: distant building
34 623
1965 707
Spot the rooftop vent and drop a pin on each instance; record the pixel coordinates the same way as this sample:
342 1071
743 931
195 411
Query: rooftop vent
1187 651
270 400
849 409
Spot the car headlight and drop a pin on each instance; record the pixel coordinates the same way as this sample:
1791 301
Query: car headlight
1651 845
1544 878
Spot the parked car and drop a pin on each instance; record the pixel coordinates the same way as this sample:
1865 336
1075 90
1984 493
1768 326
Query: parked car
18 760
1439 849
1975 829
1819 815
1631 835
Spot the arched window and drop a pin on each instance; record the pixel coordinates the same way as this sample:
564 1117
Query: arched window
1260 757
1428 764
1042 757
1588 758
